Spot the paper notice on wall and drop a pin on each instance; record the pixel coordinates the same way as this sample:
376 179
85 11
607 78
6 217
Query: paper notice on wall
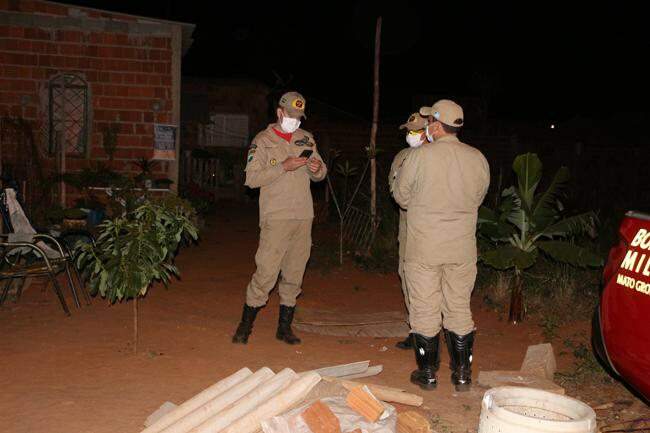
164 142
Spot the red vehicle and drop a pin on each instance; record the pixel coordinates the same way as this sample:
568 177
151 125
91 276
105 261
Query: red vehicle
621 327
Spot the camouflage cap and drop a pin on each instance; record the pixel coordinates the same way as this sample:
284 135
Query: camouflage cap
294 104
446 111
415 122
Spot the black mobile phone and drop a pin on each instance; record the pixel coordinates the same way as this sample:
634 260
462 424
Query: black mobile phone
306 153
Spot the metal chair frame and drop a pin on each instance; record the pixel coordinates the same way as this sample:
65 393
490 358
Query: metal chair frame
31 261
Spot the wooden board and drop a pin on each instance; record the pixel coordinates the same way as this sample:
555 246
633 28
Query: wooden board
371 371
344 369
384 324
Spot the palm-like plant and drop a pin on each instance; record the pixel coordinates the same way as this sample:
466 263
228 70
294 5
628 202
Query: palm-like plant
527 223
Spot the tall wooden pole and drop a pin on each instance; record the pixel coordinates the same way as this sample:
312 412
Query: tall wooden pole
373 130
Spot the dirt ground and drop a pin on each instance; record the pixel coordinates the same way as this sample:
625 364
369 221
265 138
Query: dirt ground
79 374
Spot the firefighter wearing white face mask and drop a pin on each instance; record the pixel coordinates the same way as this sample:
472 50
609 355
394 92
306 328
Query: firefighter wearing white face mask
415 137
442 185
275 166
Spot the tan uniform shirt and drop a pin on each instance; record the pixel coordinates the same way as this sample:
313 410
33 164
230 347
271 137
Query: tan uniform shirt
283 194
442 184
394 169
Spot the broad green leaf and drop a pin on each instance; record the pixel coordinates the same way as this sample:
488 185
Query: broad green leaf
570 226
516 215
509 256
570 253
528 168
487 215
546 208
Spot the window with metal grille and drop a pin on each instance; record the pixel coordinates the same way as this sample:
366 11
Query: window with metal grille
68 115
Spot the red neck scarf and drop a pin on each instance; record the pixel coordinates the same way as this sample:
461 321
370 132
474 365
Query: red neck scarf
285 135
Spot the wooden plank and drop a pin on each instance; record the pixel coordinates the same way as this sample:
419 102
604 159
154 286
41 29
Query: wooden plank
371 371
344 369
383 393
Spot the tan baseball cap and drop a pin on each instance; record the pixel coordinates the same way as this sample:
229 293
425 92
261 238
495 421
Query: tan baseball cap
415 122
446 111
294 104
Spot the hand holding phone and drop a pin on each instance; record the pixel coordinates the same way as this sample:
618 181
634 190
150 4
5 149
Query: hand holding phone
306 153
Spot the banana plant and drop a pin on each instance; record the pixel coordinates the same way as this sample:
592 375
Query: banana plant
528 223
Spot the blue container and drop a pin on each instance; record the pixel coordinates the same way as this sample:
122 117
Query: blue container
95 217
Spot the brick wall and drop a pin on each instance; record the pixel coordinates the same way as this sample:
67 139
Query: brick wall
128 64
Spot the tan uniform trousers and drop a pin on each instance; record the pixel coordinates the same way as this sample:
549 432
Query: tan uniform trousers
401 238
400 272
440 295
284 247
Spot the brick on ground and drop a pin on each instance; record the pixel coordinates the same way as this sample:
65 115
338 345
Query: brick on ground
363 402
321 419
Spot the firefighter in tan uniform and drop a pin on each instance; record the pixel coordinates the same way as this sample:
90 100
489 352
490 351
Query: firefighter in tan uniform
275 166
415 137
441 185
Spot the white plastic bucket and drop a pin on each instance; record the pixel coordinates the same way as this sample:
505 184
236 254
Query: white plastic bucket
511 409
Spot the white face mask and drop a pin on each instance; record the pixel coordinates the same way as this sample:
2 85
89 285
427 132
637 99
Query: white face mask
414 140
426 131
289 125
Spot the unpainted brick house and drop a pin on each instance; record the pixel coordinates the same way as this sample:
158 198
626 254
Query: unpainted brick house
69 74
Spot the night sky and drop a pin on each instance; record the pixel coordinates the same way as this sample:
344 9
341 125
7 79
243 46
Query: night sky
538 60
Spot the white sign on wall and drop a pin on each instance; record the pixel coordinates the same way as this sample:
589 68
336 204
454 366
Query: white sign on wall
164 142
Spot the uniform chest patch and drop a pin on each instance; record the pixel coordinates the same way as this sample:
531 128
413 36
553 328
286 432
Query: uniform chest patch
304 141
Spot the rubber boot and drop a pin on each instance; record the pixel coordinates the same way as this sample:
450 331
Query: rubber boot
460 355
427 356
246 325
284 326
405 344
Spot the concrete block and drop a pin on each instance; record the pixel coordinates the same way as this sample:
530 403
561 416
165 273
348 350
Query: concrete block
540 361
493 379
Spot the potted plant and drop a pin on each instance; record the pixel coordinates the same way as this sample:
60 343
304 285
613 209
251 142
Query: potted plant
74 218
146 166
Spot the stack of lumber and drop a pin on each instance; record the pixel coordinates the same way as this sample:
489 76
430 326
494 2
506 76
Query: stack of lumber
238 403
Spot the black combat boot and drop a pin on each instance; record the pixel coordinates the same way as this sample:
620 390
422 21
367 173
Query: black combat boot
284 326
427 356
246 325
460 356
405 344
